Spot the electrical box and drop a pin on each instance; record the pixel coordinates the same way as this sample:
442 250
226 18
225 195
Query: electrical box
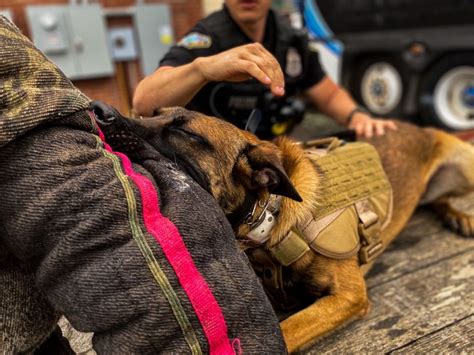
73 37
155 35
7 14
122 43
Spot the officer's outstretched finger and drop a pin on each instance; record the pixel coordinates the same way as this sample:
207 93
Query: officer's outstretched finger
267 62
254 71
359 128
379 128
268 67
272 63
369 129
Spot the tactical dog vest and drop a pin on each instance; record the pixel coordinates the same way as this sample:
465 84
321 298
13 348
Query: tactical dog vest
353 208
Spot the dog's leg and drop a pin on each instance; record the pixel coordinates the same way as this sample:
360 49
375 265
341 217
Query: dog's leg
347 299
452 174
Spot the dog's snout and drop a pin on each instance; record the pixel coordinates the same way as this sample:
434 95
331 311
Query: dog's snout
104 113
104 120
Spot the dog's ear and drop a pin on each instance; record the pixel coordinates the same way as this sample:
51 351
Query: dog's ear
267 172
277 182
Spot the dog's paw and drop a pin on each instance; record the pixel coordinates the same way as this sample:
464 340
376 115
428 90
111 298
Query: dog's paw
461 223
458 221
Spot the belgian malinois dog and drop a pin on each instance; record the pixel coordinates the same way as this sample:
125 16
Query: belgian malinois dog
422 164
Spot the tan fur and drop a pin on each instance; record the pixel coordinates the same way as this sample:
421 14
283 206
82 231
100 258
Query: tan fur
420 164
301 172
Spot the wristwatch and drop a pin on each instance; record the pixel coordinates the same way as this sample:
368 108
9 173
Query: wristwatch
354 111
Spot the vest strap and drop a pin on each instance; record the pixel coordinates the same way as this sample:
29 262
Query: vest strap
290 248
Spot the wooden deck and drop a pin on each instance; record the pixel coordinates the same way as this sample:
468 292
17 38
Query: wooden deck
422 295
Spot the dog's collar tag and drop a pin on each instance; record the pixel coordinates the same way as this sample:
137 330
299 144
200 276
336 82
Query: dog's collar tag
261 232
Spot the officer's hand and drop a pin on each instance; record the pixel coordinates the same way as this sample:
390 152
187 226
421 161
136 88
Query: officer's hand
366 126
242 63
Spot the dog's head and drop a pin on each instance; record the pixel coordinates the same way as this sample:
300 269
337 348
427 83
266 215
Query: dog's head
229 163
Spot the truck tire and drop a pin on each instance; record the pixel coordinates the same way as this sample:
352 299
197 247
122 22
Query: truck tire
379 86
447 93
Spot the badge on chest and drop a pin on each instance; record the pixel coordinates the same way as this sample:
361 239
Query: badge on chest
294 65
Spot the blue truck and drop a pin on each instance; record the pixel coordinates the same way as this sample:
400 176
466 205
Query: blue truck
412 59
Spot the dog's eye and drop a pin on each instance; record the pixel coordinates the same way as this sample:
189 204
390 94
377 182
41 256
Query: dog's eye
177 125
188 134
178 121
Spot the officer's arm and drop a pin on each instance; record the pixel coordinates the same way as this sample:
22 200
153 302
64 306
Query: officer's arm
334 101
176 86
168 86
331 99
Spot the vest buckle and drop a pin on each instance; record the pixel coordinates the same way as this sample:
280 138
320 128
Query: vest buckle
369 252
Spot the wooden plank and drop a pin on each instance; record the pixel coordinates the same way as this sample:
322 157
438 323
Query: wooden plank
408 308
457 338
424 242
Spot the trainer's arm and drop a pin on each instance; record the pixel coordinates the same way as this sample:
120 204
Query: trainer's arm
176 86
168 86
336 102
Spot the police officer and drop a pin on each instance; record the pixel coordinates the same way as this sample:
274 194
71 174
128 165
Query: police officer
242 57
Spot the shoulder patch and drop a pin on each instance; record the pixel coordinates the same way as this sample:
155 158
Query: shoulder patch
195 40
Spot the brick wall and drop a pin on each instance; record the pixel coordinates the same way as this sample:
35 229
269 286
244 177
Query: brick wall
116 90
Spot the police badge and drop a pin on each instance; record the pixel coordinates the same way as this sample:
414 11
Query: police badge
294 65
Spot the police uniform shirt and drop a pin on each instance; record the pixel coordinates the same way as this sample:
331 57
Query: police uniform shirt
234 101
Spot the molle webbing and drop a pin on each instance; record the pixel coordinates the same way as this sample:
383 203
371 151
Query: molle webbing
353 206
350 173
32 89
